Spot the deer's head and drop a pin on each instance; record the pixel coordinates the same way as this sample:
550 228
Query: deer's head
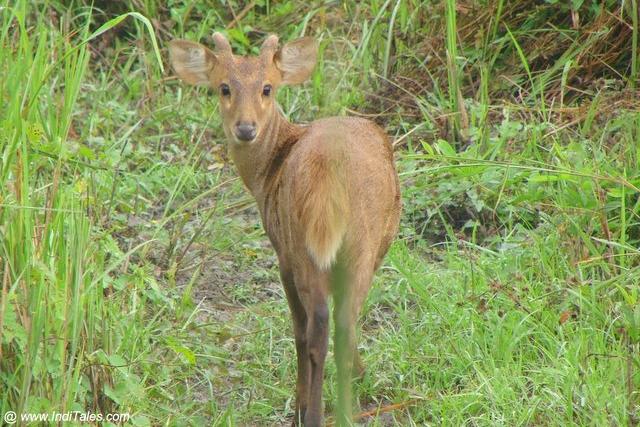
246 85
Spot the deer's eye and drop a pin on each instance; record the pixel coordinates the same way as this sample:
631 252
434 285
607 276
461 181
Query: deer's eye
266 90
224 89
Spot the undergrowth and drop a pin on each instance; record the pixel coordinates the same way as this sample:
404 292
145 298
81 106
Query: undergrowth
135 275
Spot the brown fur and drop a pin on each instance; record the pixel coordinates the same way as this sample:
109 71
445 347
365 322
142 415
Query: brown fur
328 196
323 204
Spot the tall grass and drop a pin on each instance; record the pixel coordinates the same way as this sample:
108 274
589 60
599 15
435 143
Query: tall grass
46 243
57 320
456 104
634 44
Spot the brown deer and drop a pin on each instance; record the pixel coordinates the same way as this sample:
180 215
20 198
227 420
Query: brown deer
328 197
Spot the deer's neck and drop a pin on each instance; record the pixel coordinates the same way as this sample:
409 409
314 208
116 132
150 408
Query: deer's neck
259 163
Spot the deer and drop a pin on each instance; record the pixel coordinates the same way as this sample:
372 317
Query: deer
327 193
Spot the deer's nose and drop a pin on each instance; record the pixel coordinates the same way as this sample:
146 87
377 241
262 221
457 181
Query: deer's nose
245 131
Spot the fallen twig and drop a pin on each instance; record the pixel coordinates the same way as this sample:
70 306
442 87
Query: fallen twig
378 411
241 15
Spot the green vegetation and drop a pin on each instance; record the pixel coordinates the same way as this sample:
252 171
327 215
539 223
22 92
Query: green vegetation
135 276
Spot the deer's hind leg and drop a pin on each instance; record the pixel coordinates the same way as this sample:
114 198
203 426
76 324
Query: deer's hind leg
299 318
350 285
312 286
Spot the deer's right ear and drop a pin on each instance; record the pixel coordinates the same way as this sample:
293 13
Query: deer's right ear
191 61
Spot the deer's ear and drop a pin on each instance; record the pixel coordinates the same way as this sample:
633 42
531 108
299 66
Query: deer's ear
296 60
192 62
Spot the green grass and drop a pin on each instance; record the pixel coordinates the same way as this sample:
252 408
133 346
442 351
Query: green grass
136 278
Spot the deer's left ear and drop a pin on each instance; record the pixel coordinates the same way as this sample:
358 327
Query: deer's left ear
192 62
296 60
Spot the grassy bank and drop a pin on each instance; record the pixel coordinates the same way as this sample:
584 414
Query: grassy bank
135 275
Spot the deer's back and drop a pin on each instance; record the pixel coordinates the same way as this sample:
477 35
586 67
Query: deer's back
339 189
